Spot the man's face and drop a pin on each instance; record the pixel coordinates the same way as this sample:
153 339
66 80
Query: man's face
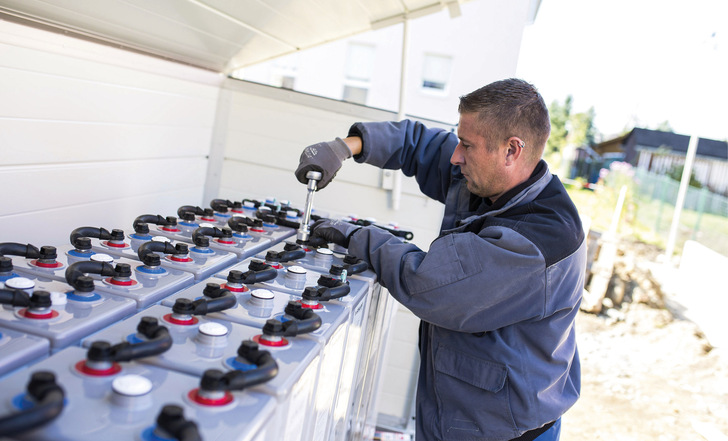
483 169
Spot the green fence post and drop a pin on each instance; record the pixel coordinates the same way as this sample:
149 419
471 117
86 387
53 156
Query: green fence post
700 209
663 189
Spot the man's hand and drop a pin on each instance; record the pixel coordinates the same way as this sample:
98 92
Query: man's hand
324 157
334 231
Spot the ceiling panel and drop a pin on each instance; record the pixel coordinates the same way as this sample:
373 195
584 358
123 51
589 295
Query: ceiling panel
220 35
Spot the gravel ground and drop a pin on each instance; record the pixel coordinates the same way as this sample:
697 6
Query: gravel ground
647 374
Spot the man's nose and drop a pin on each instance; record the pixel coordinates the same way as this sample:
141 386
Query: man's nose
457 156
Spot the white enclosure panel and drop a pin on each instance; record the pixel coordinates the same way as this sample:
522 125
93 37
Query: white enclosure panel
57 44
82 63
56 186
42 95
267 131
54 226
300 118
70 141
283 155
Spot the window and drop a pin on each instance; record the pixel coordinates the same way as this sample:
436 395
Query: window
287 82
435 72
359 62
358 72
285 71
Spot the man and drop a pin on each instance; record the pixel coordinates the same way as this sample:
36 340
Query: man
498 291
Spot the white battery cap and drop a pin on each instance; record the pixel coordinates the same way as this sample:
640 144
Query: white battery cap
160 239
19 283
131 385
295 269
324 251
264 294
213 329
101 257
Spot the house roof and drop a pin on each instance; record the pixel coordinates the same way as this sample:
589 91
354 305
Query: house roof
647 138
611 145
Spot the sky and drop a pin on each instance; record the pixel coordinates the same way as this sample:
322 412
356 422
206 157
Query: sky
637 62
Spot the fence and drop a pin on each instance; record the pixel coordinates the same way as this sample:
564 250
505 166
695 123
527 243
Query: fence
704 218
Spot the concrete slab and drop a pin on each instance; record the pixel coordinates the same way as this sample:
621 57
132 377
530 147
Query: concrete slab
698 288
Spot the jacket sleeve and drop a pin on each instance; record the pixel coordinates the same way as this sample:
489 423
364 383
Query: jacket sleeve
467 282
411 147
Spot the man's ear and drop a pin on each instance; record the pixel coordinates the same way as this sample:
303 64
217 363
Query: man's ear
513 150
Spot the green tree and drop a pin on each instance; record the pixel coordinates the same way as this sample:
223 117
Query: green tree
664 126
570 128
559 114
676 173
583 131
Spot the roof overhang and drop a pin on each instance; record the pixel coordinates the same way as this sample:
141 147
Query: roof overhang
221 35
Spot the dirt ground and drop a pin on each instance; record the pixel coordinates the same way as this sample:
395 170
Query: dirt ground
647 373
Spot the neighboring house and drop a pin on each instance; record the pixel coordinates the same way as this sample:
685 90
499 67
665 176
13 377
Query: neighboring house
659 152
587 163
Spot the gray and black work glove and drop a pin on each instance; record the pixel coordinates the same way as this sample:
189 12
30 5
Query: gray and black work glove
334 231
324 157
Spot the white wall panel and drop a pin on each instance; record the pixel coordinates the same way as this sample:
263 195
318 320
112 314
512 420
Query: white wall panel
71 141
95 63
53 226
40 95
57 185
92 135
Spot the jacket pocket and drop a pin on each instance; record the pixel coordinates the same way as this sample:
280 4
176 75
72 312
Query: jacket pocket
472 397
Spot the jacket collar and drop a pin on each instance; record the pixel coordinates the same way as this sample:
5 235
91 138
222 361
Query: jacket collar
520 194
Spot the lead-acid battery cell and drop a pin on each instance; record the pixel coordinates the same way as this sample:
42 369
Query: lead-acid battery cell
18 349
61 313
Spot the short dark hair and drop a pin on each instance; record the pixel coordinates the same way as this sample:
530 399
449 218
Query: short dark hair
510 107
